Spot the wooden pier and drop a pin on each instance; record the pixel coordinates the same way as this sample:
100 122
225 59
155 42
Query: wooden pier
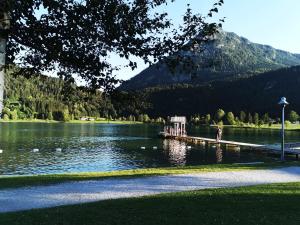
176 130
290 148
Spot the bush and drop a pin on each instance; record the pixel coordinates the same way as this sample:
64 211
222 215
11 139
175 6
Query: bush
287 123
50 116
66 115
13 115
220 123
5 117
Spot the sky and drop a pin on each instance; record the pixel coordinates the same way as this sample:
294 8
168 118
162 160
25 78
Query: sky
272 22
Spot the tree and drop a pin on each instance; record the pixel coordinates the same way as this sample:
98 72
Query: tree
146 118
265 118
293 116
230 118
207 119
77 38
243 116
50 116
249 118
219 115
256 119
140 118
66 115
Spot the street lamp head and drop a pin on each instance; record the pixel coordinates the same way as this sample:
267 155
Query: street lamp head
283 101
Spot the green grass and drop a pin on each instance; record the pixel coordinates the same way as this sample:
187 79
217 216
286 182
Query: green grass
278 126
106 122
29 121
276 204
21 181
72 121
266 126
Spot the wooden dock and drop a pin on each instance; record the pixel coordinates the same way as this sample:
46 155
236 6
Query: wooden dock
290 148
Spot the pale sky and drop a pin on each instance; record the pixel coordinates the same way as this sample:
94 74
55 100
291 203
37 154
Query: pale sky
271 22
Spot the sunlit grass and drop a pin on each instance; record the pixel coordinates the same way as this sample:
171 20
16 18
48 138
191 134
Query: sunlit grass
266 126
105 122
28 121
71 121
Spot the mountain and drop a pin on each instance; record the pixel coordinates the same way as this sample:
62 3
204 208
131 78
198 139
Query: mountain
259 93
225 56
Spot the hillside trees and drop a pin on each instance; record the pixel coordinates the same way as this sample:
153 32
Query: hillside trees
45 98
76 38
251 119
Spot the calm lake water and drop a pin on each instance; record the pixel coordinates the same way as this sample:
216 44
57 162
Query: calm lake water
106 147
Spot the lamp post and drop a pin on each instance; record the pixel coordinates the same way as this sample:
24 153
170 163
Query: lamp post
284 103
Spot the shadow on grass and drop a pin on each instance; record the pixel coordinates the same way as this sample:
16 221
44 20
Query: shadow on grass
265 204
21 181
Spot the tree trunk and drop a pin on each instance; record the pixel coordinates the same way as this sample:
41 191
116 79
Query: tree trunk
2 70
4 27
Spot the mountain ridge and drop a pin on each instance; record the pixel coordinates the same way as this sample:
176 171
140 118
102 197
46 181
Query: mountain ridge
226 56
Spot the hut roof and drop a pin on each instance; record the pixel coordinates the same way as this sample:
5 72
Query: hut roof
178 119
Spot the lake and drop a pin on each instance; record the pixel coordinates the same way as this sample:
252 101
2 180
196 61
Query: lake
108 147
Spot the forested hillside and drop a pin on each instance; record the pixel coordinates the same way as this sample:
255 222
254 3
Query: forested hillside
48 98
259 93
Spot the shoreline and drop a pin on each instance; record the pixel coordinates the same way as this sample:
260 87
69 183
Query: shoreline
72 121
291 127
295 127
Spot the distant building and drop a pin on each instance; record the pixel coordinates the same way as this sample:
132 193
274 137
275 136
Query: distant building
87 119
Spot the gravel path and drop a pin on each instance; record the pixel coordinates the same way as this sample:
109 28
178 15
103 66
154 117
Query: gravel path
88 191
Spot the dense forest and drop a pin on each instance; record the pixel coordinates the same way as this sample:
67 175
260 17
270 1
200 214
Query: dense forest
43 97
259 93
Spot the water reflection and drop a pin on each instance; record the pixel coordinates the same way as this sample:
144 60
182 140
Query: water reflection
176 151
107 147
219 154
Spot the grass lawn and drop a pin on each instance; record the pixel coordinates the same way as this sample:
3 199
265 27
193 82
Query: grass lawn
20 181
106 122
276 204
72 121
266 126
287 127
29 121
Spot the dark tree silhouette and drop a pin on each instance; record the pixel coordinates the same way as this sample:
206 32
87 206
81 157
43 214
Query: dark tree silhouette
76 37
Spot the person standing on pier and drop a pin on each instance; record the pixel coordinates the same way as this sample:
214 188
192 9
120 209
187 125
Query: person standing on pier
218 134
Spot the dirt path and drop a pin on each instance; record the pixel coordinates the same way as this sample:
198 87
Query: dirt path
88 191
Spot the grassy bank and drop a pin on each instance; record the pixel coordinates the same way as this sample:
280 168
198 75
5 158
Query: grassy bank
260 205
29 121
20 181
266 126
105 122
72 121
